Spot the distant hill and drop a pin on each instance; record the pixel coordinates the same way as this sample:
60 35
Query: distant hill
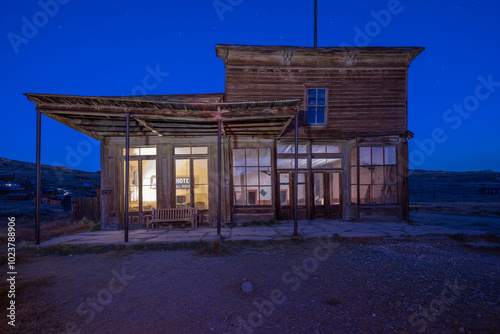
440 186
52 176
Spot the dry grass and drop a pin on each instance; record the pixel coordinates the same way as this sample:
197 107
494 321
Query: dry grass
214 248
458 208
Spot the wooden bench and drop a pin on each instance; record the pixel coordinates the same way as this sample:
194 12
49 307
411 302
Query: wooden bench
173 215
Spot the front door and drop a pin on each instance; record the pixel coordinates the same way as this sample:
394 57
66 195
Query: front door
191 183
327 195
287 195
142 189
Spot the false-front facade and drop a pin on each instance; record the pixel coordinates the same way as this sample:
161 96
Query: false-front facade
351 107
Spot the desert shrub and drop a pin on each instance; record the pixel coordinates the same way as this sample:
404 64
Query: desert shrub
214 248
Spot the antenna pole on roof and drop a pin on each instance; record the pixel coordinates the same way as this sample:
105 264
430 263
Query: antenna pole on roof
315 23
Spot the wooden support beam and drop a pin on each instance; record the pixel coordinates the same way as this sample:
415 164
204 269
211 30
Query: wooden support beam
83 130
147 126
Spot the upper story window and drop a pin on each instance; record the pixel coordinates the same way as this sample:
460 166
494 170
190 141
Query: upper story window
316 106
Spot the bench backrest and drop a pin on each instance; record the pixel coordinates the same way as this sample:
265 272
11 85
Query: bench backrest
173 213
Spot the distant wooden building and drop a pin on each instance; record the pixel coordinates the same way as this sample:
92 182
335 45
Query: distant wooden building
351 106
17 197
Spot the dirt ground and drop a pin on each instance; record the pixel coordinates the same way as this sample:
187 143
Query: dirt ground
432 284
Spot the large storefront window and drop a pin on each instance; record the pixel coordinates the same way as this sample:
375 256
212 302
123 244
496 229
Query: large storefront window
377 175
252 176
191 177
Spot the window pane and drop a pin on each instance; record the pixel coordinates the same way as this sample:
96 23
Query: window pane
148 150
148 185
390 155
252 175
321 96
199 150
377 155
311 115
182 170
378 175
334 163
365 156
286 148
201 196
284 178
334 188
332 149
302 177
252 198
285 194
252 157
319 149
265 176
365 175
264 157
182 150
391 195
302 149
182 198
239 196
200 167
318 163
239 176
182 183
320 115
390 174
285 163
354 156
265 196
133 191
239 157
301 197
365 194
302 163
378 195
319 194
132 151
311 97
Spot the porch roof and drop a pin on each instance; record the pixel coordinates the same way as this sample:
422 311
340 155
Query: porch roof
167 115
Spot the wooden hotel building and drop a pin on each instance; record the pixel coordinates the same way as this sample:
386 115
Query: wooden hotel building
348 159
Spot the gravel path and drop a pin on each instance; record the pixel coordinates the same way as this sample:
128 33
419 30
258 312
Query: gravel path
376 285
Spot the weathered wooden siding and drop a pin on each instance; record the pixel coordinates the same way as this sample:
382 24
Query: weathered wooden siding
361 101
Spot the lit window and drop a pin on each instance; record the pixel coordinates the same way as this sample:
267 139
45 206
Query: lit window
140 151
316 106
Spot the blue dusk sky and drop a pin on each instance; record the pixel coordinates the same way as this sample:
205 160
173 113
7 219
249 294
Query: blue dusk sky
109 48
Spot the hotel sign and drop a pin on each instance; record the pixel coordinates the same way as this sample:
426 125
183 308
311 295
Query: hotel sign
182 183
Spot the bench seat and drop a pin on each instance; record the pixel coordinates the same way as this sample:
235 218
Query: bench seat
173 215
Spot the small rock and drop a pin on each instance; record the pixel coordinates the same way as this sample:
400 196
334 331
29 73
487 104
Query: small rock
247 287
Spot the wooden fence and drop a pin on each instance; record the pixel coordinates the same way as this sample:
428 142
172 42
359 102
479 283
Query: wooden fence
88 207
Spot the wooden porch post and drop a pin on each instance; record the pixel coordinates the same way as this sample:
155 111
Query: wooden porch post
127 166
38 175
296 184
219 175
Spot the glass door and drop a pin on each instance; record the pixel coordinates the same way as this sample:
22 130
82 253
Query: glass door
287 195
327 195
335 198
191 183
142 189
